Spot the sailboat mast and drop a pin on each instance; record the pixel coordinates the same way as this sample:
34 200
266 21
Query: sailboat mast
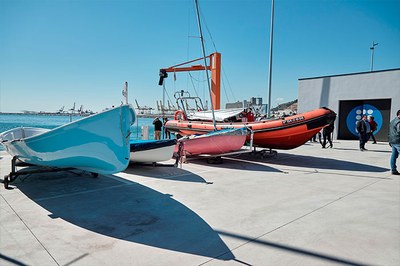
271 42
205 60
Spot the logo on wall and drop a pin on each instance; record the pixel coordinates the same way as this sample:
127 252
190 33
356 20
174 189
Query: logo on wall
356 114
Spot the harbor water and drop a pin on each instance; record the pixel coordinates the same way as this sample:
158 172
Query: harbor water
10 121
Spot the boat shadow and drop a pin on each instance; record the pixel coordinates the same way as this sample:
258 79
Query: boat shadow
357 149
323 163
165 172
237 163
124 210
317 255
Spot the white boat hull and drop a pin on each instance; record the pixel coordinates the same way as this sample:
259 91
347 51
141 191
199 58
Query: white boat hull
153 155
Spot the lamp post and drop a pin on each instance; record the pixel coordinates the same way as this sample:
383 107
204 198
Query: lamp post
372 48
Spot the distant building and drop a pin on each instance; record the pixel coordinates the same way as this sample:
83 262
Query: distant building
375 93
254 101
234 105
29 112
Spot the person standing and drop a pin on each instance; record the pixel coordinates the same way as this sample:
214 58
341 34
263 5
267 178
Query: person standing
394 141
166 131
314 138
250 116
319 135
373 125
326 133
244 116
157 128
363 130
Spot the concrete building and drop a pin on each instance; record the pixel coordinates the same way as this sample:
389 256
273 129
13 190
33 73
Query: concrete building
234 105
374 93
254 102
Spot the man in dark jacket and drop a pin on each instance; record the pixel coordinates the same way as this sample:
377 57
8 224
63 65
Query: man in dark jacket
363 130
326 133
157 128
394 141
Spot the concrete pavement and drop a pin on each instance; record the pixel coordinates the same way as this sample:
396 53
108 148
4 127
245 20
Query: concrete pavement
308 206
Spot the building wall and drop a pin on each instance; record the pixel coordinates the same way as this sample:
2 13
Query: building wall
234 105
329 91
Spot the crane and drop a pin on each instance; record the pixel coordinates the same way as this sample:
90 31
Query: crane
144 109
72 109
61 110
214 67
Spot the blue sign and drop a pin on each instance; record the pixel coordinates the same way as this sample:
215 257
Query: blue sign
356 114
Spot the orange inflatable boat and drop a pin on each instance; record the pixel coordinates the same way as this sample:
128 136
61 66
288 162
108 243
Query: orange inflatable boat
280 133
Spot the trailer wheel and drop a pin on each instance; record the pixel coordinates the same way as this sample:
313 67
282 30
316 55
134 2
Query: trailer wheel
215 160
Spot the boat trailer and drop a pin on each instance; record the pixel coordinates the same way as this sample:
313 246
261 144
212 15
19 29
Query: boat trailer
14 174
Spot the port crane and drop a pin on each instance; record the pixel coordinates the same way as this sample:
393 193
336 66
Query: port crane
144 109
171 107
61 110
72 109
80 110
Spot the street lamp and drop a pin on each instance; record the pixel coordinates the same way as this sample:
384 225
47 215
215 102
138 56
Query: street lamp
372 48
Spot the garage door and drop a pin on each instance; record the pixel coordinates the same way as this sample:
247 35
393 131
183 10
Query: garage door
352 111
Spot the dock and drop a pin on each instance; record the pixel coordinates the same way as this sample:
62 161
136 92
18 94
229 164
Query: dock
307 206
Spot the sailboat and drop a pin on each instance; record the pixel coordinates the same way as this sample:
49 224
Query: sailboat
279 133
217 141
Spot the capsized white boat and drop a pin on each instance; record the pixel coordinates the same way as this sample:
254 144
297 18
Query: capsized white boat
98 143
151 151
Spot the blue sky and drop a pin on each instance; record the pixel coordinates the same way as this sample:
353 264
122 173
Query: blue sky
54 53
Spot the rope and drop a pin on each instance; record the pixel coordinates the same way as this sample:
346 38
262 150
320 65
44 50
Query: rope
194 87
229 84
208 31
223 71
226 95
190 76
198 80
169 98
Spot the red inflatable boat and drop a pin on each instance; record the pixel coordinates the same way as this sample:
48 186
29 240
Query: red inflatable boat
280 133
